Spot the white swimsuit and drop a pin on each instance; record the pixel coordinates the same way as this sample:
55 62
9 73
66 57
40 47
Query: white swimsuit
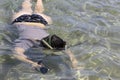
27 33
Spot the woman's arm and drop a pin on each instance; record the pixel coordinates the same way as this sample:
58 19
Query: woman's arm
19 54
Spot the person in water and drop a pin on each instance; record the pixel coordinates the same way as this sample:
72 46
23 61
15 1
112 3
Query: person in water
31 28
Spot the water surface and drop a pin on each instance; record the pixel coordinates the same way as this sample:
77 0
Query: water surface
91 28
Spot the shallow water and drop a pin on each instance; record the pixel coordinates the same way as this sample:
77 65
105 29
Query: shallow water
91 28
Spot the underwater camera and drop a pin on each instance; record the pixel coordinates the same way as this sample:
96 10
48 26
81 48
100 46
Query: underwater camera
42 69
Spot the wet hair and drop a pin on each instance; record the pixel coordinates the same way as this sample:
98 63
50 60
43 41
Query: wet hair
54 41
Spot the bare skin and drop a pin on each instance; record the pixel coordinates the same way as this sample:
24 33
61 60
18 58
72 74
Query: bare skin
18 51
72 58
26 9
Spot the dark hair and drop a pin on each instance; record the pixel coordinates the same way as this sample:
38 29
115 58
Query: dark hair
54 41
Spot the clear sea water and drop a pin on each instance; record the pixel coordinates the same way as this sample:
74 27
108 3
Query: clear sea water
91 28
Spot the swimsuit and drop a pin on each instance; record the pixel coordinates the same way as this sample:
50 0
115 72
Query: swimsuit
31 18
29 33
30 36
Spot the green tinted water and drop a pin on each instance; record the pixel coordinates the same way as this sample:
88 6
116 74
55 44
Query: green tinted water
91 27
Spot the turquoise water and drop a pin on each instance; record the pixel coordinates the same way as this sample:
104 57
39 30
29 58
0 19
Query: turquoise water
91 28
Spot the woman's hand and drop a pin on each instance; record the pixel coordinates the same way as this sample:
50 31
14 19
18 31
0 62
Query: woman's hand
40 67
35 65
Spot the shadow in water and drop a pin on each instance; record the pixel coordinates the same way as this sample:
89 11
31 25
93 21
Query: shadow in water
60 65
6 65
